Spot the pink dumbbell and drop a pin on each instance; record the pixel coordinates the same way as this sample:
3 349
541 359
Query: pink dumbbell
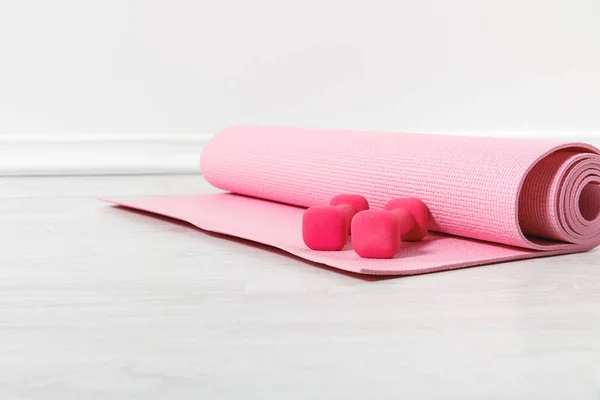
327 227
378 233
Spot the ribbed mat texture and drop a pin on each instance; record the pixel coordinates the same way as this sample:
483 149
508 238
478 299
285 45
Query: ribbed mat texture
490 199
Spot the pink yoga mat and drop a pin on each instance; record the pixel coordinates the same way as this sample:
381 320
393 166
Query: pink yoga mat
490 199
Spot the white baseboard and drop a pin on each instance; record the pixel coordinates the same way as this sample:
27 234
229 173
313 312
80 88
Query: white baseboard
111 154
100 154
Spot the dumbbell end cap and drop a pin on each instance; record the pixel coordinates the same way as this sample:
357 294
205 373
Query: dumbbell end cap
375 234
324 228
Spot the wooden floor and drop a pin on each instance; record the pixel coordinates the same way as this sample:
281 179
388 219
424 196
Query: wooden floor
101 303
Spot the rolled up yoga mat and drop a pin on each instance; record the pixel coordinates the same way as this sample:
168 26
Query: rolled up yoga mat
490 199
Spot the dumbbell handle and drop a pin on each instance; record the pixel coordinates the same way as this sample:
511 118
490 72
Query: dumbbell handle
406 222
350 204
418 211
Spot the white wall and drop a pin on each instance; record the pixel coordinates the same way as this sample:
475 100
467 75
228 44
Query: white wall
197 66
